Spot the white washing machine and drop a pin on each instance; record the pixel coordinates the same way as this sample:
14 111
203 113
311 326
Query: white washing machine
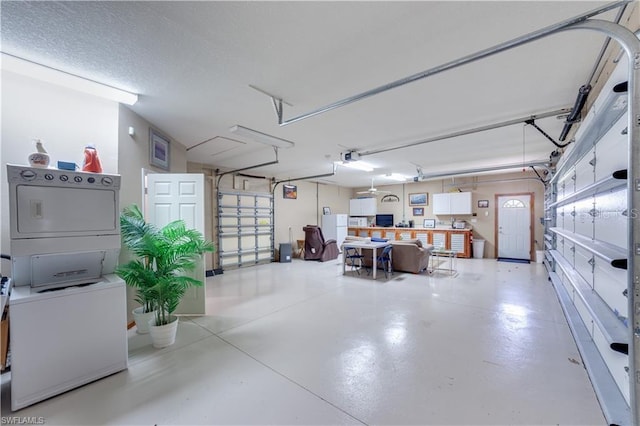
65 338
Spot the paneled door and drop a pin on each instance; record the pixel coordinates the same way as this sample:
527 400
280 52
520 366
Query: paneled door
514 226
174 196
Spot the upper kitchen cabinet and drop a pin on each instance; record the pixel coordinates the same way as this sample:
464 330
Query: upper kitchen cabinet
452 203
362 207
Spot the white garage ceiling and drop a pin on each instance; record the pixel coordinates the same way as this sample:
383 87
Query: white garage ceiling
192 63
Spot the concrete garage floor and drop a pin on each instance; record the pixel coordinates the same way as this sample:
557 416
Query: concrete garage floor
299 343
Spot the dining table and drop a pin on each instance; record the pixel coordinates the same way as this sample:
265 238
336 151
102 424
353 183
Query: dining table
359 245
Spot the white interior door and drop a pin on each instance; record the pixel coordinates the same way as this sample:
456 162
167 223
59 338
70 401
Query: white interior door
174 196
514 226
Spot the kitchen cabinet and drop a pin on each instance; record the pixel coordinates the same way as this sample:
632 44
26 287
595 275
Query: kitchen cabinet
449 239
441 203
439 240
452 203
363 207
458 242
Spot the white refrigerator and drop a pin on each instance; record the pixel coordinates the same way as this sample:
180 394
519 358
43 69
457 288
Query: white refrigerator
334 227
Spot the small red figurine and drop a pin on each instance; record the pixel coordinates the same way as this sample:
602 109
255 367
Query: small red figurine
91 160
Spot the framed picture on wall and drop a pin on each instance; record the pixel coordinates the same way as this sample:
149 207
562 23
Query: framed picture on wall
483 204
290 192
326 210
418 211
418 199
159 150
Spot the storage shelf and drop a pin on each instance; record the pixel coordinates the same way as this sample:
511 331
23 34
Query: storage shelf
607 184
603 317
616 256
612 402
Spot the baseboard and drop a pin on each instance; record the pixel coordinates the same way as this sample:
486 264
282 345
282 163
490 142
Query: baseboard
512 260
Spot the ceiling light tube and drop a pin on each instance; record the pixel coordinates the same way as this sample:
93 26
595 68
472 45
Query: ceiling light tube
66 80
395 176
357 165
261 137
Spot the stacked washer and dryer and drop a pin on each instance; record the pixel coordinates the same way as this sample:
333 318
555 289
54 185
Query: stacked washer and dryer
68 311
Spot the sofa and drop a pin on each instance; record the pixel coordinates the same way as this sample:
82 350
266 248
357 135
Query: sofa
410 256
406 255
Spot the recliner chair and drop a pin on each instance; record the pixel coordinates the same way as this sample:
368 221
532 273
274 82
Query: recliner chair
315 247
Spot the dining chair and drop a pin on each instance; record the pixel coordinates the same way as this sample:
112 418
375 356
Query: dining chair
354 258
384 260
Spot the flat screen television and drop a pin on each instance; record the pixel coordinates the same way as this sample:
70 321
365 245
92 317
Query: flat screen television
384 220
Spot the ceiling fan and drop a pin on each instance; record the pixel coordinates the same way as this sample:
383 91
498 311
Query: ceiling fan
373 190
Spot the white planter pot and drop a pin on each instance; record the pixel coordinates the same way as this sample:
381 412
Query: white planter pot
163 335
142 320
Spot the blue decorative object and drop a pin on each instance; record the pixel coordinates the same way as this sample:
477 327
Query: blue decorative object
65 165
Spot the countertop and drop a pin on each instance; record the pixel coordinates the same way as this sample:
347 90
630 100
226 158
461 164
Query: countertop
448 228
437 228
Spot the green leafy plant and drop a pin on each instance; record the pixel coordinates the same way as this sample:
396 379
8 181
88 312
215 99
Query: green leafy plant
164 255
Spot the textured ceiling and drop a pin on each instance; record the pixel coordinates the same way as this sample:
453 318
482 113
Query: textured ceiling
192 64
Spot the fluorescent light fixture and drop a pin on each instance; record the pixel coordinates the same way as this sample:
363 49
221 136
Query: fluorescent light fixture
66 80
261 137
357 165
395 176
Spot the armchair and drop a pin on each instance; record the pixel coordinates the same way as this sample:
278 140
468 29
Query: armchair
315 246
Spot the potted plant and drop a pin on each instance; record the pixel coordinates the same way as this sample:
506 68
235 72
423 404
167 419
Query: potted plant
138 273
164 255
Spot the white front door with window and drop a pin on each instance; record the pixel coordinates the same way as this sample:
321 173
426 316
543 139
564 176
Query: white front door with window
174 196
514 226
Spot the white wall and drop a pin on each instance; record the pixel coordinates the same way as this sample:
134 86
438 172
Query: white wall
64 119
307 208
133 158
134 155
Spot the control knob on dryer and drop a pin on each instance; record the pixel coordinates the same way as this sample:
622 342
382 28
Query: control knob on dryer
28 175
